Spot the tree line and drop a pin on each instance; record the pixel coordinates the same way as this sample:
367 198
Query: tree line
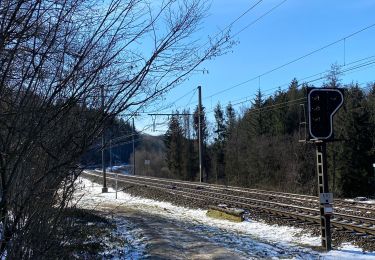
260 148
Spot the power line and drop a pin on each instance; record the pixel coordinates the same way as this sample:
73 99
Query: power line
145 128
293 102
195 91
243 14
365 64
291 62
168 107
242 102
221 31
271 107
235 20
318 76
250 24
248 98
259 18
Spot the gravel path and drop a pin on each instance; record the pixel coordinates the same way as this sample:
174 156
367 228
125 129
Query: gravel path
167 240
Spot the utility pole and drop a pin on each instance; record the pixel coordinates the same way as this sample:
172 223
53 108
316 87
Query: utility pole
104 189
200 139
110 154
133 148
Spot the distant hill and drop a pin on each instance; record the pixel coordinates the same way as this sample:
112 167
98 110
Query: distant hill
152 143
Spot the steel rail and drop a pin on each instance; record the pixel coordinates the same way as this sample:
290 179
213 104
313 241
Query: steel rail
340 205
296 208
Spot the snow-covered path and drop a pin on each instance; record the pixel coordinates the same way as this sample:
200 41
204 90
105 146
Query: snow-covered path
161 230
166 239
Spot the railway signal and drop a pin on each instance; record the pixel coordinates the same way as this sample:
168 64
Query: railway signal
322 104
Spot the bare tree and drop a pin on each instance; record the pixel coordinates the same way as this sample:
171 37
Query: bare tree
55 58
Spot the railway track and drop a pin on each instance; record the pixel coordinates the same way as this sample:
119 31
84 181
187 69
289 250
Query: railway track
294 206
341 206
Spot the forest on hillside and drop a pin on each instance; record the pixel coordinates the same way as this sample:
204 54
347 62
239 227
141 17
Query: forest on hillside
260 148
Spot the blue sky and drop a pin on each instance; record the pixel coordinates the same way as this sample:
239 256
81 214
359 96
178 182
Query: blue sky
294 29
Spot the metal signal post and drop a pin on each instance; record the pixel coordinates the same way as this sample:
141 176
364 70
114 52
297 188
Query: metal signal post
133 134
200 139
323 103
104 189
326 198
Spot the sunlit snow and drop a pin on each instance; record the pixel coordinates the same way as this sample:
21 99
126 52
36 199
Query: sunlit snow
250 238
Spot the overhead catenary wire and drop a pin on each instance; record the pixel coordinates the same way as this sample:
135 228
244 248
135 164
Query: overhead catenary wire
237 33
195 91
299 58
221 31
290 62
172 103
273 107
99 146
251 23
244 13
367 63
259 18
280 103
234 21
320 75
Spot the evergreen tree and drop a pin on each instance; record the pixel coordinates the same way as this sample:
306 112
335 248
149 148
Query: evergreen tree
260 149
256 114
353 159
173 142
203 122
189 156
278 116
294 96
231 148
219 144
230 117
220 130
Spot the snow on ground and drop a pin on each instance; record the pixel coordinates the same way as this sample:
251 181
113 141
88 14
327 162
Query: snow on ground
135 241
249 238
365 201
